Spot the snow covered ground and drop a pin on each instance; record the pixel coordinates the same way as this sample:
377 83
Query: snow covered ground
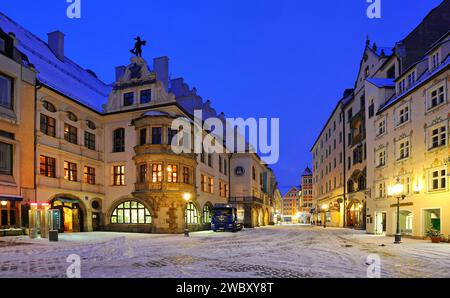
281 251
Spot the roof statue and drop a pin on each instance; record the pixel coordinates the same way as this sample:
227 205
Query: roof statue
138 46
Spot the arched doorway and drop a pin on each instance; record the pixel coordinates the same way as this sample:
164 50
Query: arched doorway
266 218
354 214
260 218
254 217
72 213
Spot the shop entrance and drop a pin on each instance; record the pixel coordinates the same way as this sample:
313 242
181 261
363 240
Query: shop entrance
432 220
72 220
380 223
406 222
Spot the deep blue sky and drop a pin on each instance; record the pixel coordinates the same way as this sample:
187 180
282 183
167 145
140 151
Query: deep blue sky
254 58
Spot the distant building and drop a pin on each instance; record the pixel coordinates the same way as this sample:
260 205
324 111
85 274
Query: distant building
306 197
291 205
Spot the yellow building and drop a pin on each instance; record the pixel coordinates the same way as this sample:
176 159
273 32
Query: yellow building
411 145
17 87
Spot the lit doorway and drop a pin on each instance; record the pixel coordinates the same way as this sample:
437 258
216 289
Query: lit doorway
432 220
72 219
406 222
380 223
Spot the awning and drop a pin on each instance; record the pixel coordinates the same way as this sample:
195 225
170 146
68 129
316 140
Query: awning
11 198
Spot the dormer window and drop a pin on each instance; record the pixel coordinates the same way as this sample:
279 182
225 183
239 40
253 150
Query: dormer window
72 117
146 96
435 60
402 86
49 106
128 99
411 79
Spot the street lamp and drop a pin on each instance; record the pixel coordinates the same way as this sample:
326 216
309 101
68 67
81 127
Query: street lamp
324 209
186 198
397 191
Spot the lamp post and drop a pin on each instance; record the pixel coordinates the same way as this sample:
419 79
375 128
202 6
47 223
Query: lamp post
397 191
324 209
186 198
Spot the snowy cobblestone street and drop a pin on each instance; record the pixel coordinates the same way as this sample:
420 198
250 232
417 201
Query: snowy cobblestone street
281 251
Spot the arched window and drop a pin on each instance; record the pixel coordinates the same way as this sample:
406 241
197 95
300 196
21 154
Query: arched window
119 140
191 214
207 213
49 106
131 212
72 117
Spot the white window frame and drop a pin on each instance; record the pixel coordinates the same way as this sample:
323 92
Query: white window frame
380 186
380 154
411 79
404 145
440 133
442 173
441 85
381 124
399 114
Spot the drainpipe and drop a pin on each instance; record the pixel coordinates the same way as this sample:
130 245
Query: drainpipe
344 137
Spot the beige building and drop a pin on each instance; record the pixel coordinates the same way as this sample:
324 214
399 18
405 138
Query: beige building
410 132
105 153
17 85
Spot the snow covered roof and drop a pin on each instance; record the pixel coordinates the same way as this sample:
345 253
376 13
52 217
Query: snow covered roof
382 82
424 78
65 76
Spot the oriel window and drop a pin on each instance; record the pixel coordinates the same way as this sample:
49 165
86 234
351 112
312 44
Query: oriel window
156 173
143 173
172 173
156 136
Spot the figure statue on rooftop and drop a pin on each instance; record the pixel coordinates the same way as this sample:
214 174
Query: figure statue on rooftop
138 46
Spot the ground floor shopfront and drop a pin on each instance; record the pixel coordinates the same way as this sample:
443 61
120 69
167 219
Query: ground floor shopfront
418 214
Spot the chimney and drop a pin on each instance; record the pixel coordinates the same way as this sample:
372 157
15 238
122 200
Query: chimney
56 44
120 72
161 68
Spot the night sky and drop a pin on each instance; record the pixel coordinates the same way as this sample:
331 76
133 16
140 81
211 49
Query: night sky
289 59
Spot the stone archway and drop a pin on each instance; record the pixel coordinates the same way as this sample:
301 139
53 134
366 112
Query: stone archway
254 217
73 213
266 217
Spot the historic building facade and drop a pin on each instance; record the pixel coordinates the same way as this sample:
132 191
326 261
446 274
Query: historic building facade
306 196
105 153
17 87
291 205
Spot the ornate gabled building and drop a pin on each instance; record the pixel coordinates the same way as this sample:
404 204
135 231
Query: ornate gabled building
105 152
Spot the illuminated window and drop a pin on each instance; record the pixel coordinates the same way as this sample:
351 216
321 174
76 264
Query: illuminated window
204 182
172 173
47 166
191 214
206 214
131 213
156 173
70 171
70 133
89 175
211 184
119 175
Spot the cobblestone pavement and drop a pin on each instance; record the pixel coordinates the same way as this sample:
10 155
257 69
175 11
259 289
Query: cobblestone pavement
275 252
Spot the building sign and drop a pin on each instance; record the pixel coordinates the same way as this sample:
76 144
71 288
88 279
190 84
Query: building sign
239 171
402 205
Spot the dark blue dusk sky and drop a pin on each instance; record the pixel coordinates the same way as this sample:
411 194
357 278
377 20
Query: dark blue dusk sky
290 59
